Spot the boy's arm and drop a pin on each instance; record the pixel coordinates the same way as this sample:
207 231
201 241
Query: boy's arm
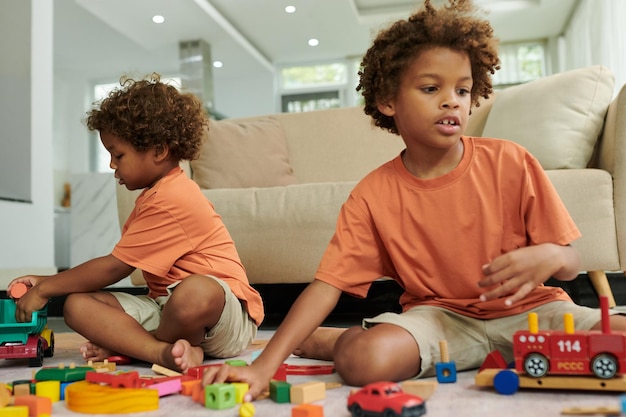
305 315
518 272
90 276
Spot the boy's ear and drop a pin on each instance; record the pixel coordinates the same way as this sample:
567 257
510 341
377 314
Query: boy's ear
161 152
386 108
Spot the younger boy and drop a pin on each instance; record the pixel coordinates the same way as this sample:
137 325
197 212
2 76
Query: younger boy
199 300
471 228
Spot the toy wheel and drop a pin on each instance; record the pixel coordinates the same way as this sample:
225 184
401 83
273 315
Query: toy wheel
357 411
37 361
389 413
604 366
49 352
536 365
506 382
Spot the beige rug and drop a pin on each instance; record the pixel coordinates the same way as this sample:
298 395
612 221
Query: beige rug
460 399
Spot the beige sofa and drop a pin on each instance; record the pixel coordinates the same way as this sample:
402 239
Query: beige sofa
279 181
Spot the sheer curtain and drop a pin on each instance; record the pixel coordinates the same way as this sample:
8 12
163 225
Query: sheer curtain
596 35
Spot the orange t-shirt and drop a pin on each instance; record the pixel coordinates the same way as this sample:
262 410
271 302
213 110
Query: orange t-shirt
174 232
433 236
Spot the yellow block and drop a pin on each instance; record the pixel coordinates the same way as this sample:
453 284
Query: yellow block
49 389
246 410
14 411
241 388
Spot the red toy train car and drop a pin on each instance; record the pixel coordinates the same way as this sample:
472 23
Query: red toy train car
569 352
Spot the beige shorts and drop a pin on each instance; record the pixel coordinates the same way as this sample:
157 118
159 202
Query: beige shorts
233 332
470 340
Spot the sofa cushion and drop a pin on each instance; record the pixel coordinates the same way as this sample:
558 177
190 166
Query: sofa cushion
243 154
557 118
281 233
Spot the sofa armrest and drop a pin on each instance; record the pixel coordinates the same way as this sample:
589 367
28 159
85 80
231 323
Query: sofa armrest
611 156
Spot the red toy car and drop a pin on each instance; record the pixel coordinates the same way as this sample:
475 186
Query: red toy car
385 399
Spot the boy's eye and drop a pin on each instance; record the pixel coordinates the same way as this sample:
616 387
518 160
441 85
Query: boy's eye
430 89
118 156
464 91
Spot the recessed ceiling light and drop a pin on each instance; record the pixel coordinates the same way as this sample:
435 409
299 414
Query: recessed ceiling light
313 42
218 64
158 18
290 9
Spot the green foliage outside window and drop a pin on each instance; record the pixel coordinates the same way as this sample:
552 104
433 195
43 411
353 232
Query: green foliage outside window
313 75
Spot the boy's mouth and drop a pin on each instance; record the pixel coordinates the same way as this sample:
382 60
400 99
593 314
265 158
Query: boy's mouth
452 122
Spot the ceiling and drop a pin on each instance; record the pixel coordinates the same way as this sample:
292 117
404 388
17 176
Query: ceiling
253 35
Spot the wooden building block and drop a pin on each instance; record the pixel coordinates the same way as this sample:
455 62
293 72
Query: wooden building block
241 388
50 389
167 387
307 410
21 387
5 395
219 396
422 388
14 411
90 398
161 370
188 386
37 406
197 394
307 392
279 391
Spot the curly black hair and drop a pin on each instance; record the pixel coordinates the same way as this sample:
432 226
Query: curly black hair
150 114
451 26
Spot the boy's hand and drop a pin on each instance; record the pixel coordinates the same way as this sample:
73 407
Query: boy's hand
520 271
29 302
248 374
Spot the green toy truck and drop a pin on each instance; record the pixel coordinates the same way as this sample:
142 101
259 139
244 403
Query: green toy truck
32 340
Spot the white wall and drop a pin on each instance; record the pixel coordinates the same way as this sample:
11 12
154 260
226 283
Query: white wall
597 36
105 55
26 229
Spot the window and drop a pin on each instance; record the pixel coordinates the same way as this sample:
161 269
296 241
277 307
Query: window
520 62
100 157
317 86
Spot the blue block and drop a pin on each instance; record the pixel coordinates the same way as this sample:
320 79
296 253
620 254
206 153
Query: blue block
506 382
446 372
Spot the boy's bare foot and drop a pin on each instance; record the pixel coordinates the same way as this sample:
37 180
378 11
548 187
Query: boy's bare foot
320 344
183 356
93 352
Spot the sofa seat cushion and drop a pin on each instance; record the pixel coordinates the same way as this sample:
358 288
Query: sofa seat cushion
557 118
243 154
588 196
281 232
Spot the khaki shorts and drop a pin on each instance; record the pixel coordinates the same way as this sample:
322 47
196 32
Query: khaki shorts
469 339
233 332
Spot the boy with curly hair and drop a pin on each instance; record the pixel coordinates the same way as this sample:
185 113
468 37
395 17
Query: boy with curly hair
199 300
470 227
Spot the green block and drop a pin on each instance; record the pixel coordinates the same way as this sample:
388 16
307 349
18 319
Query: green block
70 374
219 396
236 362
279 391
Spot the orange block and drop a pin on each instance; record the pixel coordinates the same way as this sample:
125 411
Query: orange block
90 398
189 386
307 410
5 395
18 290
197 393
37 406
